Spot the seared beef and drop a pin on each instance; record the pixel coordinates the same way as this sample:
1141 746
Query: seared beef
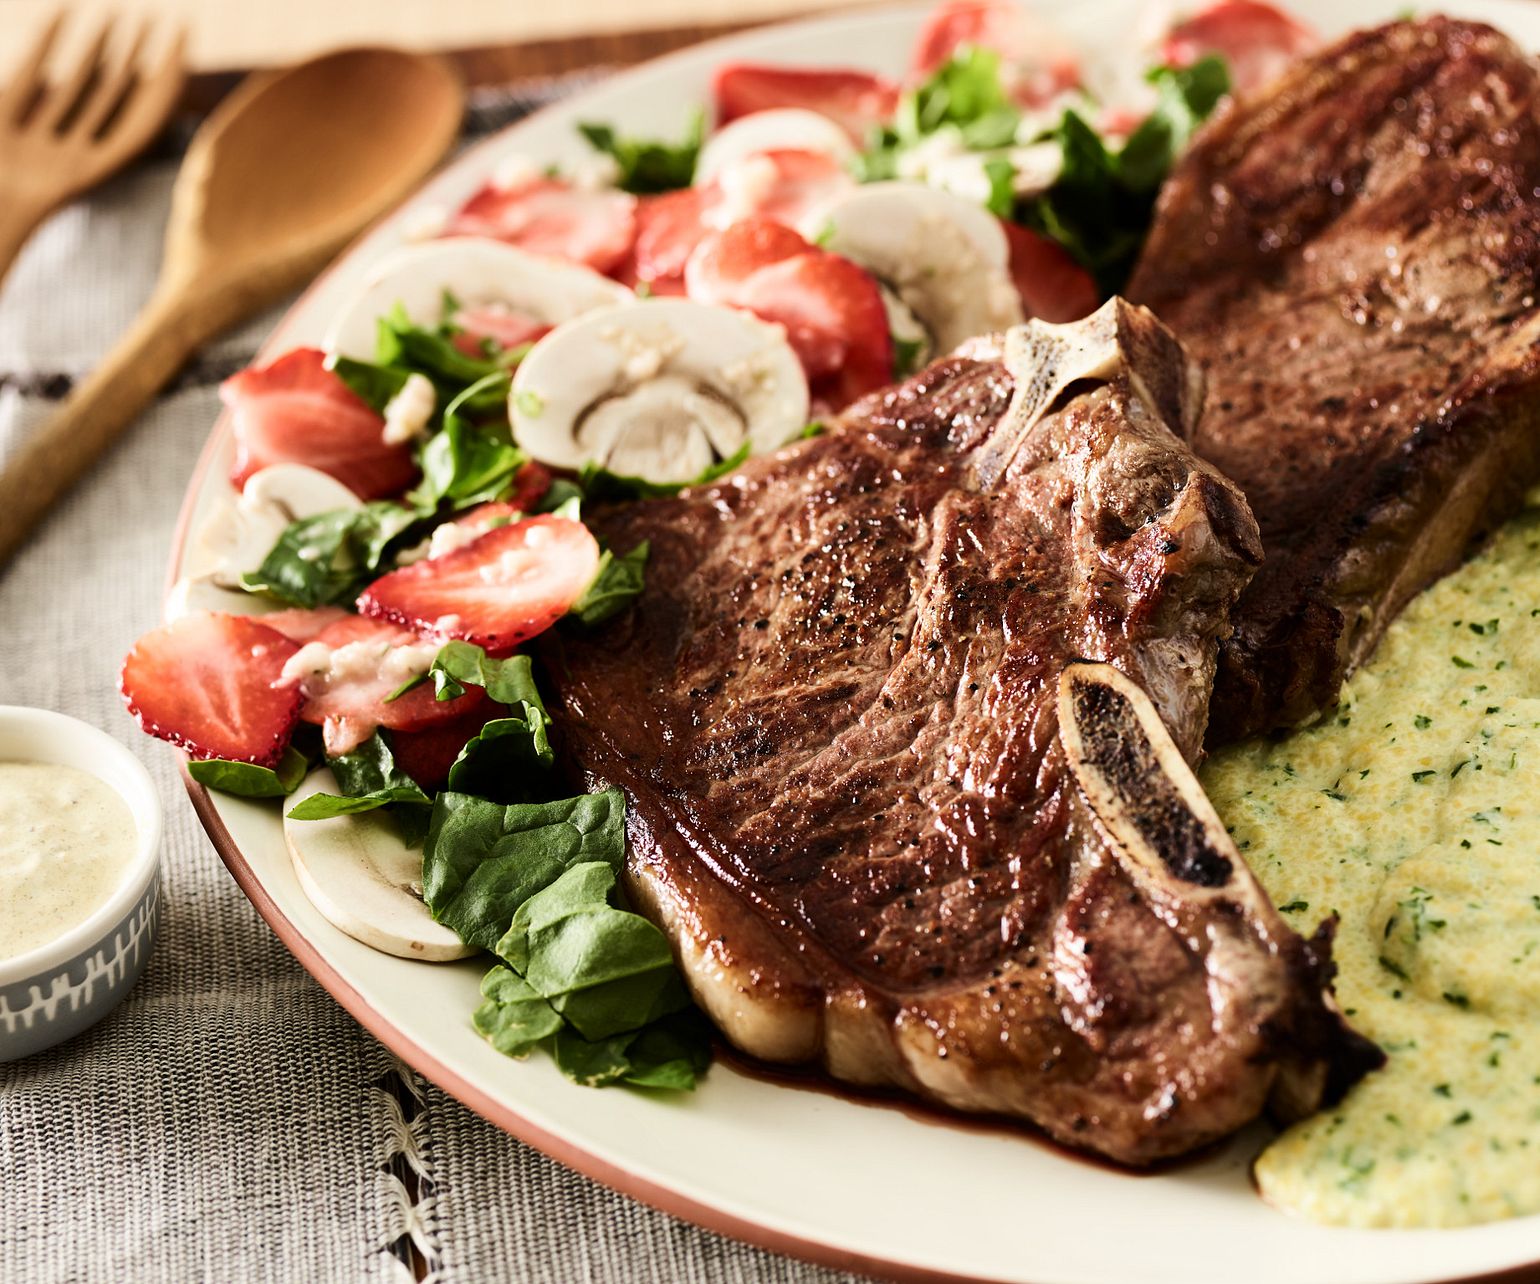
836 712
1354 258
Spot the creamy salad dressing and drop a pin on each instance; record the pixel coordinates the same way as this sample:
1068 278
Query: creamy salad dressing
1413 813
66 842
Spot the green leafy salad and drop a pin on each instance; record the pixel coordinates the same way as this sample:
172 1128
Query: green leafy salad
511 863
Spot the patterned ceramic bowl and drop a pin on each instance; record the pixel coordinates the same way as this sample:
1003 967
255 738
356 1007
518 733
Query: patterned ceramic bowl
58 989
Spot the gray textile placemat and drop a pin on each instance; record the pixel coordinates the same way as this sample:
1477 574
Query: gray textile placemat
230 1121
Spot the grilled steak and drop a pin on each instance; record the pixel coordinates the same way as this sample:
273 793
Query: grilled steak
1354 260
889 824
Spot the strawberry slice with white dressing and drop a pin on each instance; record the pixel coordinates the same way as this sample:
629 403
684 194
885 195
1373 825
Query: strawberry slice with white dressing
832 310
787 184
296 411
212 683
351 668
498 590
1257 41
855 100
552 216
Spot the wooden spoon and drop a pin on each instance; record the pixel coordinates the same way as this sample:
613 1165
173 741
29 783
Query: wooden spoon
285 172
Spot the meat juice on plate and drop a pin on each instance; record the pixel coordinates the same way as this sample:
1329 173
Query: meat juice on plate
1413 813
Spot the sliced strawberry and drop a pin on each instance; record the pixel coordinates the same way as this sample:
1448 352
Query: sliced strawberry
855 100
353 666
786 185
213 684
427 755
1035 66
1257 41
550 216
832 309
296 411
668 228
1053 287
508 585
304 624
504 328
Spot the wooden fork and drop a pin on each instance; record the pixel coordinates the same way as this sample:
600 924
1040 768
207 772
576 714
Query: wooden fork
59 138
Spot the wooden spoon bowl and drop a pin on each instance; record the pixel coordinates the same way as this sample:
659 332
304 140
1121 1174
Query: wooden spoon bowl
287 170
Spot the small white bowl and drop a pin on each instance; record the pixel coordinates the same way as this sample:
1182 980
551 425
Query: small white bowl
54 992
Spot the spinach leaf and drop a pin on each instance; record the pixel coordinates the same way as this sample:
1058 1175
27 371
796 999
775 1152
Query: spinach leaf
482 860
462 664
1100 207
507 761
599 483
966 90
468 462
648 166
328 559
368 778
605 970
668 1054
377 385
614 587
247 780
559 495
401 344
1187 95
514 1019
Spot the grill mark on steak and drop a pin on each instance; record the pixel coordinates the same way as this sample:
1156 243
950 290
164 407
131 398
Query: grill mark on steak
835 711
1354 257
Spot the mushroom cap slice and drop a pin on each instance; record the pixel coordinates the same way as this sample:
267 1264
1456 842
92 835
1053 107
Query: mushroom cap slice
477 272
241 532
777 129
365 881
946 259
657 389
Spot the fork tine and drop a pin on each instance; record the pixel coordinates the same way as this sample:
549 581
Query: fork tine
151 96
17 96
116 84
71 100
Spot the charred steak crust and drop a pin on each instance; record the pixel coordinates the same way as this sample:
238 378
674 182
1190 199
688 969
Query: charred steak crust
1354 259
835 713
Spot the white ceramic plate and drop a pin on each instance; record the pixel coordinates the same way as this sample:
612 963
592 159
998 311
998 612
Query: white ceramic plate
803 1172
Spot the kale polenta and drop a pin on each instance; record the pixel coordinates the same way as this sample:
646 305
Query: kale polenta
1413 813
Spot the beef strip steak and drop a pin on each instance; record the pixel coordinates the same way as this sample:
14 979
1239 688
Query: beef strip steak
835 711
1353 257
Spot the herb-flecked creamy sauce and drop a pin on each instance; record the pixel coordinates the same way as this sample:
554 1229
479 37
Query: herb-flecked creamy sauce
66 842
1413 813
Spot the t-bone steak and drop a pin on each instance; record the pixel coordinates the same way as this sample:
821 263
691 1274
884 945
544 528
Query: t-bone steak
903 717
1354 258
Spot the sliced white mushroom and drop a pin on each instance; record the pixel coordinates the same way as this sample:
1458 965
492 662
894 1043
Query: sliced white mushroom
365 881
946 258
195 593
479 273
783 128
658 389
243 530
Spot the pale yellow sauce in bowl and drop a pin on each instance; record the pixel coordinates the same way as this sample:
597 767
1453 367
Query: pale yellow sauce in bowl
67 841
80 838
1413 814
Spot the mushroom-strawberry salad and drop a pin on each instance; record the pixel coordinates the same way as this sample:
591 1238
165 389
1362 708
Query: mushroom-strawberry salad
407 499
